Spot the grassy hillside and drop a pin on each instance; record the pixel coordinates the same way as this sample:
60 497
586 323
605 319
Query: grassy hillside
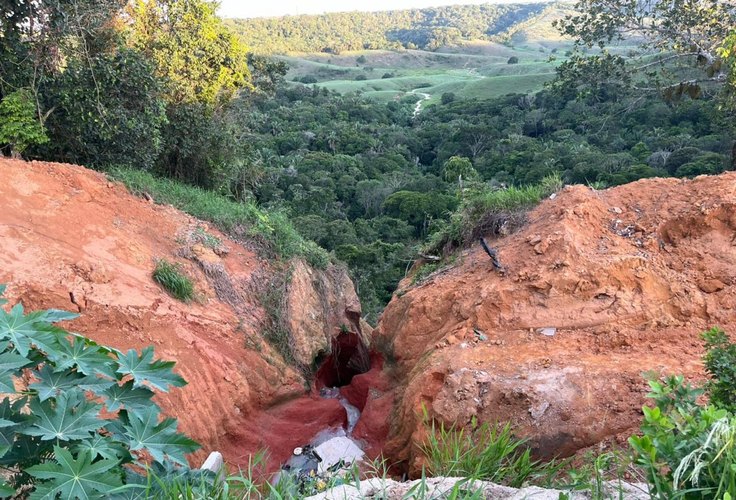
428 28
477 67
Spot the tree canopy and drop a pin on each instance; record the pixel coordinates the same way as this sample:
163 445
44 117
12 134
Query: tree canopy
672 37
197 58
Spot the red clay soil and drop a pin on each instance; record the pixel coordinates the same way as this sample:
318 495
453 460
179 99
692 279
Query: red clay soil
628 277
371 393
70 239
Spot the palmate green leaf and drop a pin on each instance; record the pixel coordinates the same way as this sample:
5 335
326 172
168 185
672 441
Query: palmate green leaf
51 383
145 371
96 384
27 330
133 399
54 316
26 451
6 490
10 365
70 417
11 412
102 446
87 356
144 432
6 423
68 477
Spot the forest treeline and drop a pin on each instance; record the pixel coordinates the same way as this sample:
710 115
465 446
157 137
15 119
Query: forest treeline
164 86
368 182
428 29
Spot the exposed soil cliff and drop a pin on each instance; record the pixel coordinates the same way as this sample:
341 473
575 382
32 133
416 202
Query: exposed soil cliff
624 279
70 239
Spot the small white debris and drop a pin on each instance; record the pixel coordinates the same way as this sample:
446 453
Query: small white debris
538 410
335 450
549 332
213 463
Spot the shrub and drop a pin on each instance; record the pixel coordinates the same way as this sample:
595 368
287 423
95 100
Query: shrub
109 111
680 157
513 60
705 163
457 169
173 281
19 125
489 211
361 78
688 450
720 363
54 438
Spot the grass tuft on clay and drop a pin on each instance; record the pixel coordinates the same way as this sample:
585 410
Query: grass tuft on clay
170 277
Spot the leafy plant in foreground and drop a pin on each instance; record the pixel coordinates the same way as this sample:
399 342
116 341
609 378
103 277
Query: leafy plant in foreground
720 363
53 437
19 125
689 450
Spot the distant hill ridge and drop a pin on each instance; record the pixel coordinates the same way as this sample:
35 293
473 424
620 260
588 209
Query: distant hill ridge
429 28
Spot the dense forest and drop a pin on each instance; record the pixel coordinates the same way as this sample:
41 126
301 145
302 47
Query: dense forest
428 29
368 182
164 87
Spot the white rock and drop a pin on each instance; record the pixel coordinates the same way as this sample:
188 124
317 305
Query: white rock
440 487
336 449
214 462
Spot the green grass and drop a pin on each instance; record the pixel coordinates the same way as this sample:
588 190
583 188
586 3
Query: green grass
502 85
484 211
488 83
172 280
485 452
472 70
271 229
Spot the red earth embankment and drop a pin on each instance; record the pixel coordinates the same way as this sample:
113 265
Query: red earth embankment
628 278
71 239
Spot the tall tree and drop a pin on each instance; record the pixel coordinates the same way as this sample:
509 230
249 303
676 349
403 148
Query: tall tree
195 54
108 111
202 66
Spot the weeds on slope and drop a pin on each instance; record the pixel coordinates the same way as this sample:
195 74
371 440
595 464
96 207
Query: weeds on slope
272 229
249 483
489 211
486 452
170 277
688 450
